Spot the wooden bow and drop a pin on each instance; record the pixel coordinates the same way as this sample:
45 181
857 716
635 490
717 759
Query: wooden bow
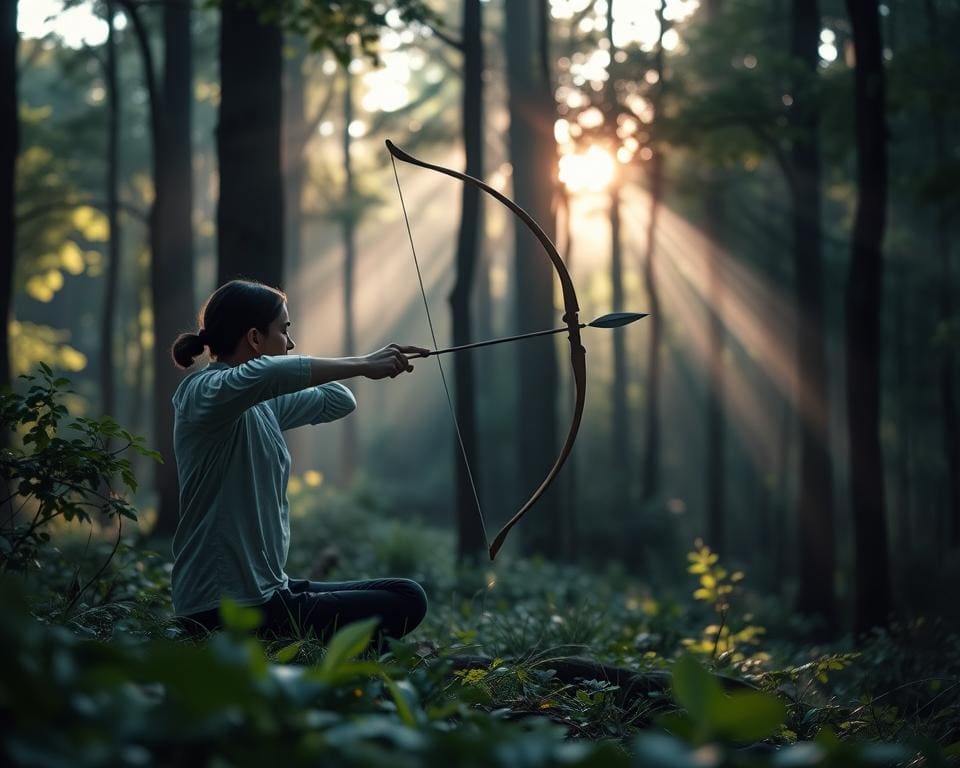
571 309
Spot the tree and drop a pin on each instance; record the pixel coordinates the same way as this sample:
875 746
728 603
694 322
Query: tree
348 231
108 317
170 226
533 157
9 147
470 535
651 456
863 301
815 499
172 283
714 195
250 219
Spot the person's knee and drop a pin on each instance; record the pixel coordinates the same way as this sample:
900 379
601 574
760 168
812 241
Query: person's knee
417 602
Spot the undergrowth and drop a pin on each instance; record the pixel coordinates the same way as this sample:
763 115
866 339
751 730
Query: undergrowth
522 663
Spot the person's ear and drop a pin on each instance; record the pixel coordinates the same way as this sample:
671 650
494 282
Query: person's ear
254 339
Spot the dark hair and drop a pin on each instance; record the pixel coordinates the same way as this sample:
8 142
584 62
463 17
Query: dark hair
232 310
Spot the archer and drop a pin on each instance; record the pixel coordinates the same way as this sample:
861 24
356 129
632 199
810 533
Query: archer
233 466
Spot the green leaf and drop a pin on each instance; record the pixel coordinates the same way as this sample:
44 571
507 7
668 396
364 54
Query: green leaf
403 706
348 643
696 690
749 716
289 652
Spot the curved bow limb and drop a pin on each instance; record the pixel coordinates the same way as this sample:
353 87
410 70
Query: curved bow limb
570 318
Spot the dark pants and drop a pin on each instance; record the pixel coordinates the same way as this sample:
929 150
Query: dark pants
319 608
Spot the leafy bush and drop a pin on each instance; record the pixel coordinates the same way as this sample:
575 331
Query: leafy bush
49 476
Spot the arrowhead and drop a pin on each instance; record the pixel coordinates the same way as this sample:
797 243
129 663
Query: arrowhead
616 319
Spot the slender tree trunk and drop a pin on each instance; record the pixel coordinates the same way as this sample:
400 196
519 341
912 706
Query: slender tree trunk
949 424
715 424
9 147
294 166
651 455
570 546
250 219
108 316
815 500
533 156
170 227
863 305
470 535
348 232
620 426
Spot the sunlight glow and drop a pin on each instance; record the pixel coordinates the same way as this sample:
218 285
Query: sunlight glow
592 170
75 27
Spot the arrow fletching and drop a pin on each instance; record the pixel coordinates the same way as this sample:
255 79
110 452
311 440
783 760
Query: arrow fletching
616 319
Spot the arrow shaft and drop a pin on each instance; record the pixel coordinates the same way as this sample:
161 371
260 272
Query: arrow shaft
491 342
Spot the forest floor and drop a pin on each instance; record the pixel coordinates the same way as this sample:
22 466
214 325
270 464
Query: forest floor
529 663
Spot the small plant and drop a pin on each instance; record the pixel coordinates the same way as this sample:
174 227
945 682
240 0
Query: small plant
50 475
727 640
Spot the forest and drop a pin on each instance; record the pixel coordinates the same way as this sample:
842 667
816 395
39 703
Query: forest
682 487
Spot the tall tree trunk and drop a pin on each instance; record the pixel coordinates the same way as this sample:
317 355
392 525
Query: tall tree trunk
651 455
294 167
620 424
348 232
714 194
108 316
949 424
9 147
250 219
170 228
570 538
815 500
470 534
863 304
716 426
533 156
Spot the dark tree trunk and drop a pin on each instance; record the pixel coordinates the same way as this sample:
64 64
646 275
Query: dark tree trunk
470 531
170 228
348 233
294 167
250 219
863 304
651 455
815 499
108 316
715 423
9 147
950 425
533 156
570 539
620 426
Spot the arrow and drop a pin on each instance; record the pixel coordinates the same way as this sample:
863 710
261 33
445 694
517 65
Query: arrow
613 320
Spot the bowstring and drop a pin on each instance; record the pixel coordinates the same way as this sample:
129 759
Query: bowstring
436 346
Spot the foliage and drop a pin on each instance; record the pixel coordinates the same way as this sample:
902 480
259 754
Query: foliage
347 28
728 640
120 683
51 476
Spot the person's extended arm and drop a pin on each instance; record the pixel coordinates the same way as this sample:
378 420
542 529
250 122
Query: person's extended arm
389 361
223 395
